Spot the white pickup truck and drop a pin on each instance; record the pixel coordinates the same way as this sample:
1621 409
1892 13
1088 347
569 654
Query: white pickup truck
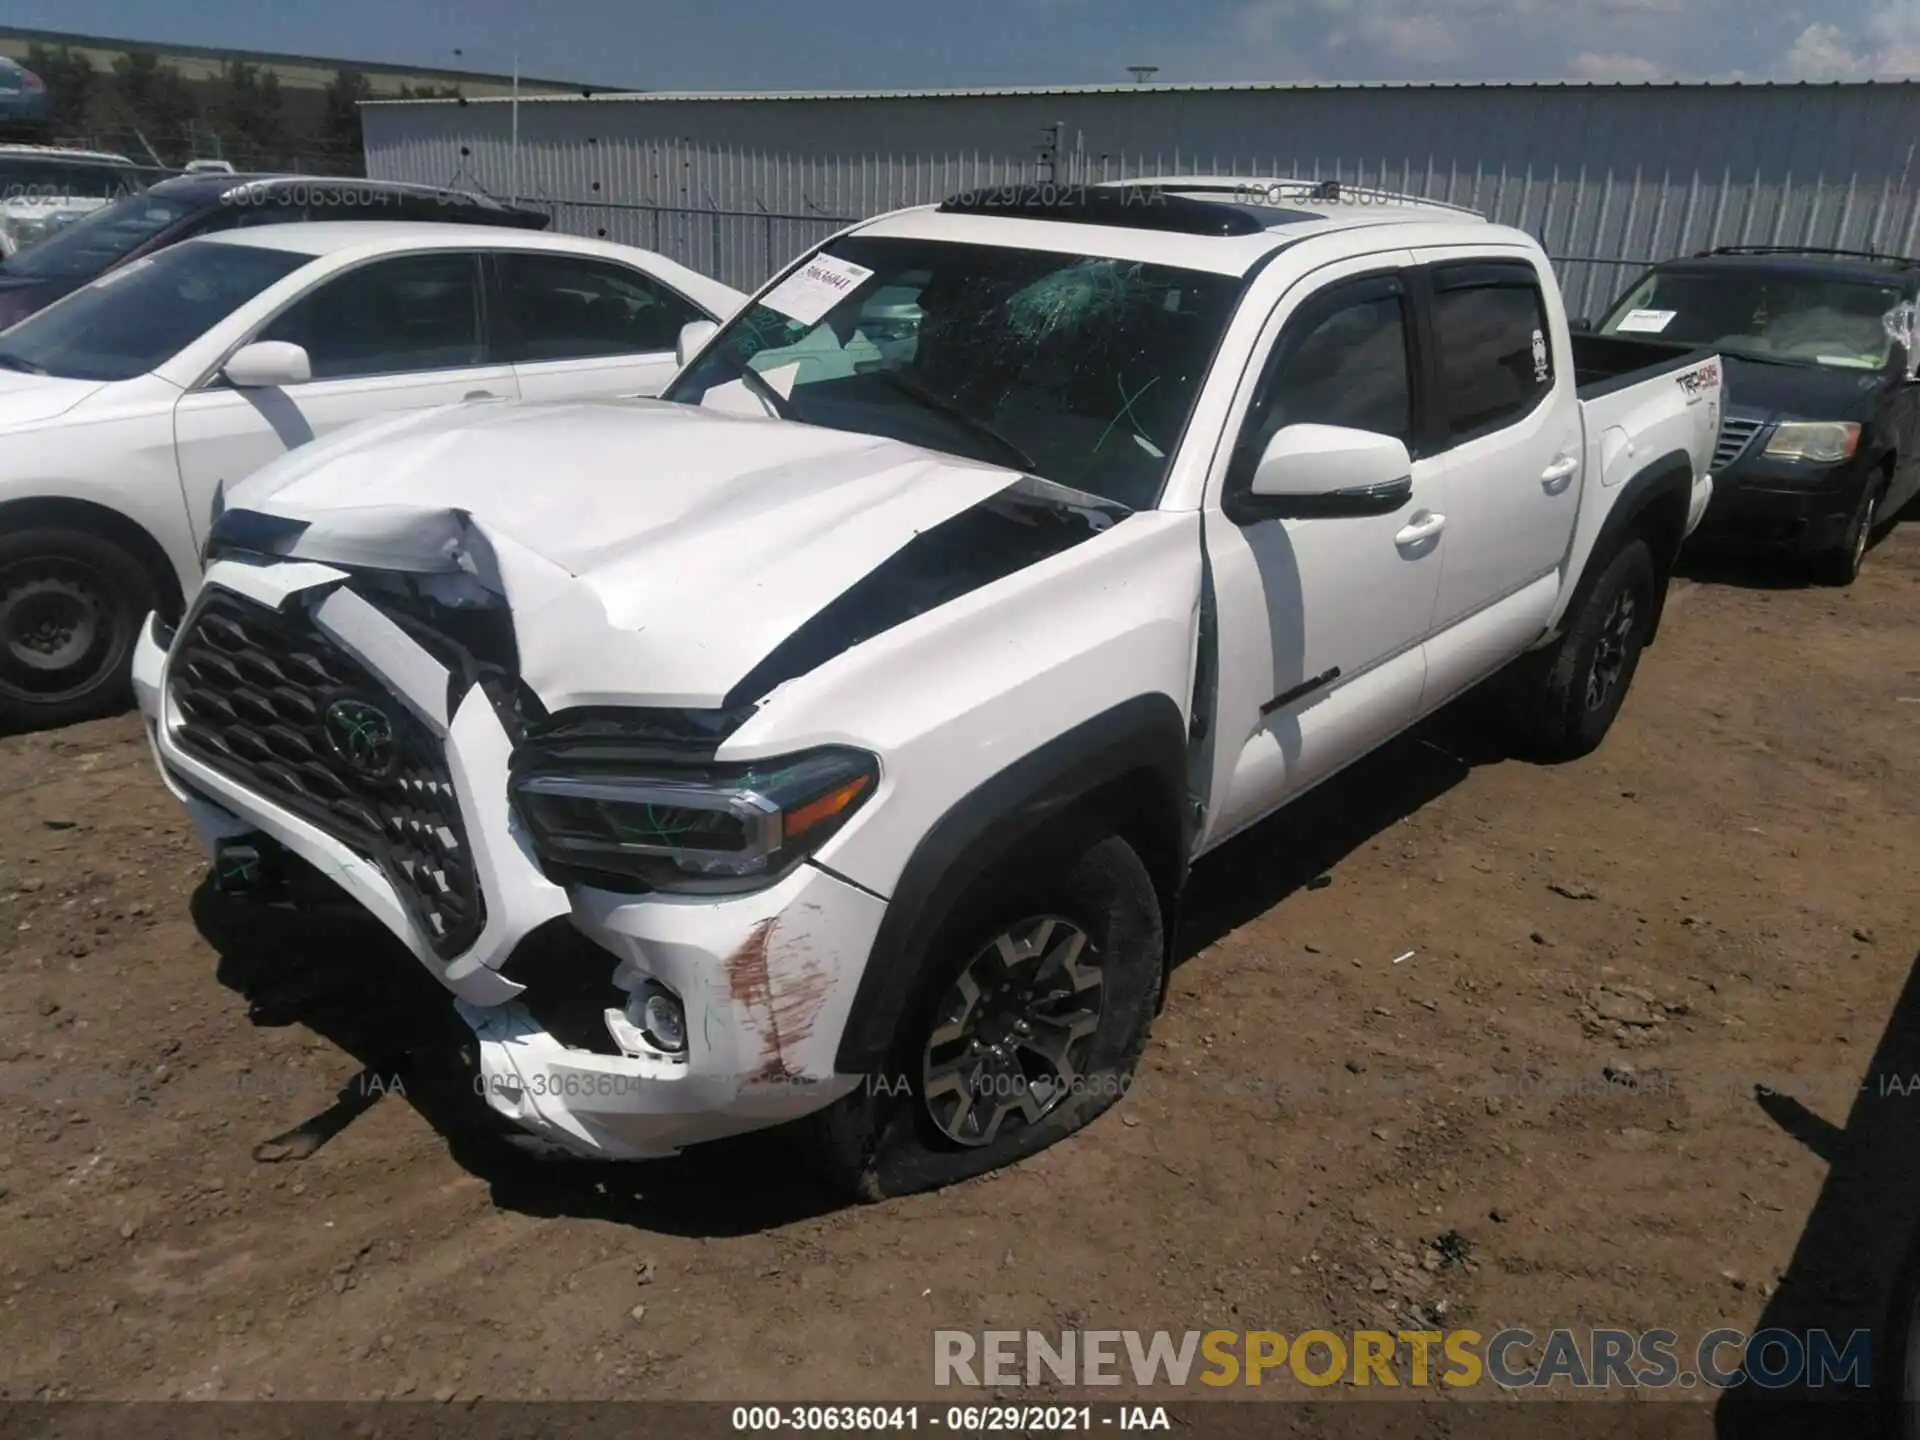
858 709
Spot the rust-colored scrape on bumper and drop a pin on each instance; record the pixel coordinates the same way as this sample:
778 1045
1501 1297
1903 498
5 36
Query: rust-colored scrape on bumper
786 1004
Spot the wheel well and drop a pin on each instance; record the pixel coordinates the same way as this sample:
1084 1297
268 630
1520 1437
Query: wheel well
1661 521
109 525
1136 807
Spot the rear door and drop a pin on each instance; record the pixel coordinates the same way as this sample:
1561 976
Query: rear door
1506 424
578 327
404 332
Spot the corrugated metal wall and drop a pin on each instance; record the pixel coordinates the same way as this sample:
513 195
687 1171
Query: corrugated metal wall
1609 177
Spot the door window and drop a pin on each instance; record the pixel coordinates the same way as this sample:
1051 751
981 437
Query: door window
1490 334
562 307
411 313
1343 360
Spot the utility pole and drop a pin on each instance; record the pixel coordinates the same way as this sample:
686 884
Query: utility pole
1142 73
513 153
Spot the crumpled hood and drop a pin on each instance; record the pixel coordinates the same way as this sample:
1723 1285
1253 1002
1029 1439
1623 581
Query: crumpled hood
28 399
650 552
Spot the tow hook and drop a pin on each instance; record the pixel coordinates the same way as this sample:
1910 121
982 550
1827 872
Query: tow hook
248 865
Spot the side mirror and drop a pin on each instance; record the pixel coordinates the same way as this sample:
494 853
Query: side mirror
266 364
693 335
1322 471
1582 323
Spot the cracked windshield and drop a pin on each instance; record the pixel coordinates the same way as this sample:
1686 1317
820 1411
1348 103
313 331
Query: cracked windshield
1077 369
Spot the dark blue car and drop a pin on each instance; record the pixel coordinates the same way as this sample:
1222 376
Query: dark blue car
23 97
1820 443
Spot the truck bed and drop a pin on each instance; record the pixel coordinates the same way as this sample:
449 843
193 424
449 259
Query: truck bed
1604 363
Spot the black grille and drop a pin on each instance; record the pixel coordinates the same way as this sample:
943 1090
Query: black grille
1736 434
254 686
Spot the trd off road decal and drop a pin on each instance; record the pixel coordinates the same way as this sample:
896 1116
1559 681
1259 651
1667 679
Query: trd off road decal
1696 383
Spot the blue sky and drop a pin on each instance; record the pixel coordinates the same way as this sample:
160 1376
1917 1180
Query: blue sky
756 44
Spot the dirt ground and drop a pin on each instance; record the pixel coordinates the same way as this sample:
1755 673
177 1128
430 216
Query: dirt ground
1606 958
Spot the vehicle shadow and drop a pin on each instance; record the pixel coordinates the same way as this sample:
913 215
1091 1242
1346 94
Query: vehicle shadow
1743 570
1294 850
1842 1277
346 979
343 977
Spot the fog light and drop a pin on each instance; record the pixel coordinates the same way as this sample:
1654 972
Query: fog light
652 1022
663 1022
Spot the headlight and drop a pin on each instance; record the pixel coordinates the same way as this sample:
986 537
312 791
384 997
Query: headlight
22 230
702 827
1820 441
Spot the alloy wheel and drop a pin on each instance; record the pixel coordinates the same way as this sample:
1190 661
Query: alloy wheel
1612 649
1010 1037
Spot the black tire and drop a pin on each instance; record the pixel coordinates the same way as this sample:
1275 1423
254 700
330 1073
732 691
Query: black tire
1896 1361
1564 699
71 606
884 1139
1840 566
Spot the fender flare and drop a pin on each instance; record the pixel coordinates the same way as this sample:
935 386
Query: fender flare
1664 482
1126 766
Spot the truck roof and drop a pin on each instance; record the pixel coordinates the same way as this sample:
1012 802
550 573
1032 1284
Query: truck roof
1226 224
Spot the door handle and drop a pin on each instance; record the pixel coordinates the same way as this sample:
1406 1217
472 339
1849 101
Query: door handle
1424 526
1557 476
479 395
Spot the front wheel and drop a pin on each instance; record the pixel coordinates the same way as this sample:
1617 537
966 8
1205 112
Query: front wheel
1030 1021
71 604
1564 699
1840 566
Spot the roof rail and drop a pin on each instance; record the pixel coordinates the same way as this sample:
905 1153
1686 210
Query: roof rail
1141 208
1264 190
1806 250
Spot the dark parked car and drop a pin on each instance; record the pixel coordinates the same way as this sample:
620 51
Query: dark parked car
43 189
189 205
1820 443
24 103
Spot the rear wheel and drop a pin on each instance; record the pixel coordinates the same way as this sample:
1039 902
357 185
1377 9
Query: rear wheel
71 605
1032 1018
1565 699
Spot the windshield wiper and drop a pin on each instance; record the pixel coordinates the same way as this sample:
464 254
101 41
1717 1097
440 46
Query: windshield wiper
15 362
763 387
971 423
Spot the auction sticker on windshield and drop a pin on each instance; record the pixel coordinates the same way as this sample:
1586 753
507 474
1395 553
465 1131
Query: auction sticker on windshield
1645 322
815 288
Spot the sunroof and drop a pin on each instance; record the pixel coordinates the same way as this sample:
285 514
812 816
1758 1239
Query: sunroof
1134 207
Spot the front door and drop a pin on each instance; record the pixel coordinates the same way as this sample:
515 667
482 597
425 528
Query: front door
401 333
1321 621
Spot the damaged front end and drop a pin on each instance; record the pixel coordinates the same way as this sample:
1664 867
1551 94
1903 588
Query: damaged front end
500 724
629 929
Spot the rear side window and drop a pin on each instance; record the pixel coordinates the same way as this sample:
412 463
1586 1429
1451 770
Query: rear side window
559 307
1495 360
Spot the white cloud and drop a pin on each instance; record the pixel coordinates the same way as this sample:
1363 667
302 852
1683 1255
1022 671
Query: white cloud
1627 68
1887 46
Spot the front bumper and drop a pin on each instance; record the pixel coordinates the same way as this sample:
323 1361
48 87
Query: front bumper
766 979
1776 507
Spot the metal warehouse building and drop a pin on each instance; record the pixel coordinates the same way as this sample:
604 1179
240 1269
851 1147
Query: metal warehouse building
1607 176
